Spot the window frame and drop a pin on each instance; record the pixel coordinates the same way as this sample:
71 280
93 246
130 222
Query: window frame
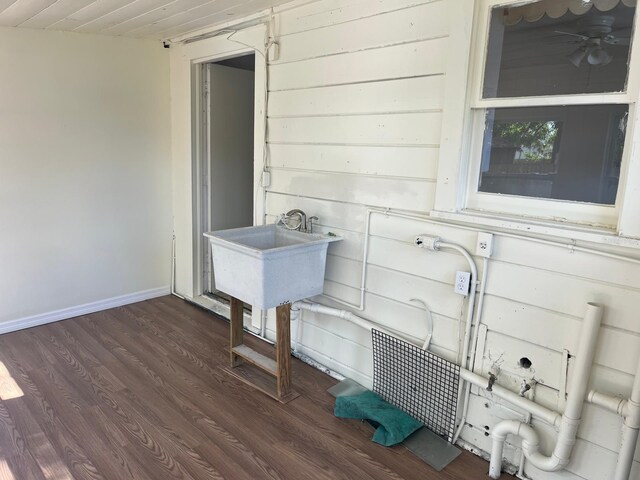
463 198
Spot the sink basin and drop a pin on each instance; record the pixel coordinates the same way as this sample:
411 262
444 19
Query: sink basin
268 265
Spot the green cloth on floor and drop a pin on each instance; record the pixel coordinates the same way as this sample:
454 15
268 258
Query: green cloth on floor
394 424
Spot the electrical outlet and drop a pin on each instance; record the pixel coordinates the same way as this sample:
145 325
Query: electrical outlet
463 280
484 244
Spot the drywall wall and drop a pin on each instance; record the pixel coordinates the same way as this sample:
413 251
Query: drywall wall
230 167
356 108
85 191
231 147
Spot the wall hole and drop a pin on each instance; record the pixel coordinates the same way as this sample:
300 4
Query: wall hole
524 362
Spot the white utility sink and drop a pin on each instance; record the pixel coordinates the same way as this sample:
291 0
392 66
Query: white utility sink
268 265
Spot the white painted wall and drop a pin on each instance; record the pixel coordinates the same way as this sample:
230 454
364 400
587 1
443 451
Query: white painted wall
357 104
231 149
85 192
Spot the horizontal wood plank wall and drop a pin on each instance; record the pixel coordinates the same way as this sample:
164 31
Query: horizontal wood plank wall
355 116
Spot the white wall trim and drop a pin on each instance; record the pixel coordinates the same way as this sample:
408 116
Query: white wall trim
65 313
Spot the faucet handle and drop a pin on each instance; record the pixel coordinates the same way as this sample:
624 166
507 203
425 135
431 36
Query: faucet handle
310 223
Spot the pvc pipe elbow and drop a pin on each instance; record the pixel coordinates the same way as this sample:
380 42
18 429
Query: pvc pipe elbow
546 464
530 442
504 428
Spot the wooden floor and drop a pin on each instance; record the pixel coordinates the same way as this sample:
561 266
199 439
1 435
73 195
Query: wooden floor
137 392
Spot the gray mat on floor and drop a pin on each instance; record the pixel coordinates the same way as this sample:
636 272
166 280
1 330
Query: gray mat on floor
431 448
424 444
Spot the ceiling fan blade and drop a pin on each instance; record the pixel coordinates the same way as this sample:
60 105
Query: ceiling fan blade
583 37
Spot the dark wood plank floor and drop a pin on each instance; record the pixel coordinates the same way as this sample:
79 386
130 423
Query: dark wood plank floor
137 392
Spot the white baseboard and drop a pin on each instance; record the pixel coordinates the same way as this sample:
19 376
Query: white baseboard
63 314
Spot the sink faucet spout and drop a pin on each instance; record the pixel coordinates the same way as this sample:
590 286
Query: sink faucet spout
302 225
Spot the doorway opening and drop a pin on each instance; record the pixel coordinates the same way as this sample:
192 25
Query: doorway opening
228 196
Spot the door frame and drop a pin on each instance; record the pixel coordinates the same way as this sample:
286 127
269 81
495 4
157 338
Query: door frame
188 157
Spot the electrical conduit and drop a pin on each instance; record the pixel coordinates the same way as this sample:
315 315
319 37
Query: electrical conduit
474 342
572 414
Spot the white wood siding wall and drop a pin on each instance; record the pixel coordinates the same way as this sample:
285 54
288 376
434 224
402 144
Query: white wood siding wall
355 115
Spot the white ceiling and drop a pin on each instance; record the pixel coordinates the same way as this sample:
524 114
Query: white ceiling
155 19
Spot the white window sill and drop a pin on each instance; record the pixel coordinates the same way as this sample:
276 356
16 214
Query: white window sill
524 226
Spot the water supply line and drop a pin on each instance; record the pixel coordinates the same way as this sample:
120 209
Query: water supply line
572 414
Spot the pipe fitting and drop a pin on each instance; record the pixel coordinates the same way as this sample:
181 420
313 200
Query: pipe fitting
616 405
570 420
430 242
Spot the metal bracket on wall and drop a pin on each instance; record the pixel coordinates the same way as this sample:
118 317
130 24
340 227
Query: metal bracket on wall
564 369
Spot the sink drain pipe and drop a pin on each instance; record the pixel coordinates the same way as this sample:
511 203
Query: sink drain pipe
345 315
572 414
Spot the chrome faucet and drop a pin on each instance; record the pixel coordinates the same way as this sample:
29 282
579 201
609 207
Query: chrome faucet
303 218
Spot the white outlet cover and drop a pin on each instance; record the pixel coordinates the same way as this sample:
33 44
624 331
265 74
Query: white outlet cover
484 244
461 285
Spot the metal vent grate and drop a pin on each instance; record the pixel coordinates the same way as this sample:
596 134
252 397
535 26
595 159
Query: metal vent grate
418 382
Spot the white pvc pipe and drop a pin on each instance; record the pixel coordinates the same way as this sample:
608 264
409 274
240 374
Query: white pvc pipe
627 452
572 414
616 405
464 358
549 416
630 429
629 409
474 343
568 423
499 434
527 421
335 312
478 315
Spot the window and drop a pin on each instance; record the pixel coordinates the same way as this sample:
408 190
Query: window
551 108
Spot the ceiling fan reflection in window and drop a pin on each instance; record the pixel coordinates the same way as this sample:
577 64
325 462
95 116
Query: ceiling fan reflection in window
594 35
